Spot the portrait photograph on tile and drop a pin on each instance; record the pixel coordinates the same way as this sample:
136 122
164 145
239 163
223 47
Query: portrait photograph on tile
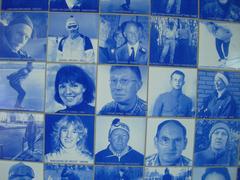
72 37
23 36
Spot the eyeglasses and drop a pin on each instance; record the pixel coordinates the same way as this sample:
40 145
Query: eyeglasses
122 82
165 141
72 27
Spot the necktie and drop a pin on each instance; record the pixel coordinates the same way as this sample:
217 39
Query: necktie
131 57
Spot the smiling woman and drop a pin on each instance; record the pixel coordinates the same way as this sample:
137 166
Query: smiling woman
74 89
68 139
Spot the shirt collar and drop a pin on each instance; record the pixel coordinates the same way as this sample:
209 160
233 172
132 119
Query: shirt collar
70 4
135 46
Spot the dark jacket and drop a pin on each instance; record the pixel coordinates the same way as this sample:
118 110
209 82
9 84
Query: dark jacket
131 157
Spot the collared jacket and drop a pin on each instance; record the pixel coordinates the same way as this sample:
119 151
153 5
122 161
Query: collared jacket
173 103
218 107
122 55
153 160
130 157
111 108
208 157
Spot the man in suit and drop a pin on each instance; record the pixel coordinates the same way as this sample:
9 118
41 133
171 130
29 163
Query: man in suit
132 52
74 5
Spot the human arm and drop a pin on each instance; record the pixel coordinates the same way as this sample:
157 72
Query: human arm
158 106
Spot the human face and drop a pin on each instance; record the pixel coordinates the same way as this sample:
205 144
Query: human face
19 34
219 139
22 178
104 30
124 85
119 140
132 34
177 81
215 176
69 136
71 93
72 29
219 84
170 144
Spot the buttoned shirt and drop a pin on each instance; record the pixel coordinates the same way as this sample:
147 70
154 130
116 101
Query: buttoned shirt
139 109
153 160
173 103
135 47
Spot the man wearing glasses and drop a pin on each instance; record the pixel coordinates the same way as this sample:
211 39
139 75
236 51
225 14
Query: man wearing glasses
75 47
170 141
118 150
125 82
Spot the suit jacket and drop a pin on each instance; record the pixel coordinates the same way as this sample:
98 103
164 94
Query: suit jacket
122 56
59 5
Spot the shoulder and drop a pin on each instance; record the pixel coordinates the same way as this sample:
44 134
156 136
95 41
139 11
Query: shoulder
102 153
163 96
109 107
186 98
52 156
142 49
186 161
135 153
142 104
151 160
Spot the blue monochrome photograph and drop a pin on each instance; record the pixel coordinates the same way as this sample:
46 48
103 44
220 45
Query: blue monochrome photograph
185 8
123 39
177 97
216 143
169 142
74 5
218 94
215 173
227 10
67 172
70 88
21 136
25 5
125 6
69 139
73 37
168 173
219 45
123 90
21 170
118 140
23 36
173 42
118 173
22 86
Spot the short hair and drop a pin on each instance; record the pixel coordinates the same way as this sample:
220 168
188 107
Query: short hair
179 73
65 122
134 69
223 171
161 125
127 23
71 73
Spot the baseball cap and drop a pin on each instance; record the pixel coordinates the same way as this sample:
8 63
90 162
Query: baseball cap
117 124
71 22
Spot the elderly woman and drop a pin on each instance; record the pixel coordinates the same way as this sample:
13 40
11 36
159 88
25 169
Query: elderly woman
68 139
74 89
219 104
